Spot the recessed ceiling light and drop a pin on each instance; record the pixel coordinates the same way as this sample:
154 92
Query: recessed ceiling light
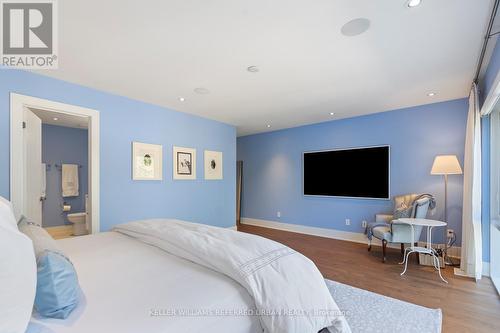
268 126
332 113
414 3
431 94
182 99
253 69
55 118
201 91
355 27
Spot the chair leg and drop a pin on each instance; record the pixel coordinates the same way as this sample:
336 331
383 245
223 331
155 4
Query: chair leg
384 247
370 246
418 255
402 248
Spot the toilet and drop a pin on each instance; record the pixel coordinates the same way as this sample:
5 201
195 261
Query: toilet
79 220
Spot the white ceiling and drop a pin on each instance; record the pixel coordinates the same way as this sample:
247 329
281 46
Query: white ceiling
158 50
61 119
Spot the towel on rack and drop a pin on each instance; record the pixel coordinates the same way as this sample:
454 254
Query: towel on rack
70 180
43 190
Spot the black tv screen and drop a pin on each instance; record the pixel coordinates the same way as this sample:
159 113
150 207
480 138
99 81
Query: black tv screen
356 173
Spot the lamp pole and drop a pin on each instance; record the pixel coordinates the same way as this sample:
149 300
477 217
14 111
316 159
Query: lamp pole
445 252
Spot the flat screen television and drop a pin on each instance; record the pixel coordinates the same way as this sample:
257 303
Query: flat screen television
354 173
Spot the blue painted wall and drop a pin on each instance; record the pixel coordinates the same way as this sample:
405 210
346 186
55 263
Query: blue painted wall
124 120
273 170
63 145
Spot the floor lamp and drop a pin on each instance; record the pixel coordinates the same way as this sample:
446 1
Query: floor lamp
446 165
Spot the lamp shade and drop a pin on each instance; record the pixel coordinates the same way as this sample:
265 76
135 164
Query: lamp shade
446 165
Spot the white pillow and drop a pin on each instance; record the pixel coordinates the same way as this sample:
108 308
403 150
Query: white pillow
42 240
17 280
7 219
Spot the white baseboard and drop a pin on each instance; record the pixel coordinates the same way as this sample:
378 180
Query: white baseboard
485 271
357 237
233 227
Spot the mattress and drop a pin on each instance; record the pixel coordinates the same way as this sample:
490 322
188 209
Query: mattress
129 287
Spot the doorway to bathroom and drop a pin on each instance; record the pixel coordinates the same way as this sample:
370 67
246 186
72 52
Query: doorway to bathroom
54 165
64 188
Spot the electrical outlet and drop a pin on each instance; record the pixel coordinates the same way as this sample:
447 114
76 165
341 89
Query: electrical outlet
347 222
278 214
450 233
363 224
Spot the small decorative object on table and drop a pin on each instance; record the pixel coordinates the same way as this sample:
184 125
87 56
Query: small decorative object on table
419 249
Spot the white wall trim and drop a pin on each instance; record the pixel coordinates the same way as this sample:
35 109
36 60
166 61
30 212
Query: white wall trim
485 271
350 236
17 104
357 237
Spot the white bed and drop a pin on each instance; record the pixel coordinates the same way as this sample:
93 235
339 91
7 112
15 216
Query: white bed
123 280
129 286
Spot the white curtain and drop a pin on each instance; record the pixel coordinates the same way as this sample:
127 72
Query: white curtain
471 262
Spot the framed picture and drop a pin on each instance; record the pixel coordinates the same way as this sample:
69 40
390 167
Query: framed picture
147 161
184 163
213 164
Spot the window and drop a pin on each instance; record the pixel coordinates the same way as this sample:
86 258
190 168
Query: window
495 196
495 165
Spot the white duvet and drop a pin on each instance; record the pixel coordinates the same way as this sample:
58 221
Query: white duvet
125 282
289 292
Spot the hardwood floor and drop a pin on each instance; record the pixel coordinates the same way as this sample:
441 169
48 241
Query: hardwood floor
467 306
60 232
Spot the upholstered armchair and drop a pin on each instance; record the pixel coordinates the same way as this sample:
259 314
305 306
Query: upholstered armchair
388 230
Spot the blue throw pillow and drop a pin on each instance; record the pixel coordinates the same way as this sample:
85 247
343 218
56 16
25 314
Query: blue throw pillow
57 289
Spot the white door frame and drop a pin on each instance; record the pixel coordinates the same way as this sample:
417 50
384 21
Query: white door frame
17 104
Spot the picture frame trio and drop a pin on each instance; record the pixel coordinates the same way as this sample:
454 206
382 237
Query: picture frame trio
147 162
